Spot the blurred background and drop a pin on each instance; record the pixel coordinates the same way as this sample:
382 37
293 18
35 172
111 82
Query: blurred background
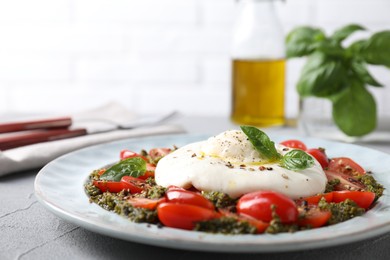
152 56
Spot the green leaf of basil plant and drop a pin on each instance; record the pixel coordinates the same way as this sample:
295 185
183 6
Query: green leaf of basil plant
376 49
343 33
359 68
134 167
321 76
340 73
296 160
261 142
354 110
302 41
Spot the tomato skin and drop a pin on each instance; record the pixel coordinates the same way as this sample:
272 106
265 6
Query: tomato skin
135 185
346 166
101 171
150 169
320 155
313 200
183 216
188 197
314 217
111 186
258 205
296 144
157 153
124 154
347 182
363 199
261 226
145 203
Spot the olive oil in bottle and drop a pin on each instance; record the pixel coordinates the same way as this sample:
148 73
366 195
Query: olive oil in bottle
258 92
258 65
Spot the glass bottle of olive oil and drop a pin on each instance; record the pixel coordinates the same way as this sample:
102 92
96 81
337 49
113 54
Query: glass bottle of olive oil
258 65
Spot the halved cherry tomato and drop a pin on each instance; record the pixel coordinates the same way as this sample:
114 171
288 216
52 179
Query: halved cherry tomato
261 226
150 168
111 186
314 217
124 154
157 153
135 185
296 144
320 155
183 216
363 199
173 187
145 203
313 200
347 182
101 171
188 197
346 166
259 205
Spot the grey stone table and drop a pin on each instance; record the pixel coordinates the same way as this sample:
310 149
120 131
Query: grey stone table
29 231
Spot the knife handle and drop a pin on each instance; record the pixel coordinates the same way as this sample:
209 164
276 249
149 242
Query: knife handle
37 136
60 122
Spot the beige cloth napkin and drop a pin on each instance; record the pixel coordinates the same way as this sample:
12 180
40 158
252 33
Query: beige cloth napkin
37 155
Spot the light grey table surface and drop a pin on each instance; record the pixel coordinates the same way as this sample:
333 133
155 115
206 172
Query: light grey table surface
29 231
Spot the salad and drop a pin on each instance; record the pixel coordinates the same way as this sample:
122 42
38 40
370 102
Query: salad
238 182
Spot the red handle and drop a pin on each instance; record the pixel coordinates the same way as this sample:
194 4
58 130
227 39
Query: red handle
37 136
61 122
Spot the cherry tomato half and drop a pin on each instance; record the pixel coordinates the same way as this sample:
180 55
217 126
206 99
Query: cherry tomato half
188 197
363 199
111 186
183 216
314 217
157 153
150 169
261 226
313 200
135 185
296 144
259 205
124 154
347 182
320 155
145 203
346 166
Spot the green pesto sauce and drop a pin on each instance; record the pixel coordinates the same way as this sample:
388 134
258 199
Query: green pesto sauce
219 199
136 214
225 225
371 185
330 186
341 211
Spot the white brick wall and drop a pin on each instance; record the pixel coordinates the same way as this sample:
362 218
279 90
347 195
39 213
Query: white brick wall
151 55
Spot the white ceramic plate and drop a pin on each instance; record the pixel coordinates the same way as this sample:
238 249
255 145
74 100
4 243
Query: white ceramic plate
59 187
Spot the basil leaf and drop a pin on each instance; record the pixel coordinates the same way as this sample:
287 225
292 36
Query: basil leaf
354 110
342 33
296 160
321 76
261 142
360 70
134 167
377 49
331 48
355 49
301 41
